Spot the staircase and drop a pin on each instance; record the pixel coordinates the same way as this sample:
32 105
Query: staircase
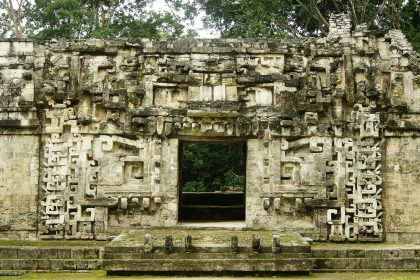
207 251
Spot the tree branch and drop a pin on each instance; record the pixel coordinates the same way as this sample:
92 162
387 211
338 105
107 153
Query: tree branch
6 22
353 11
320 16
363 10
304 6
337 9
318 19
15 24
293 30
378 11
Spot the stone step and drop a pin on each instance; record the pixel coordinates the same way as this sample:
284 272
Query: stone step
207 250
207 265
21 272
183 255
6 272
365 253
211 248
21 259
403 264
365 270
27 252
50 264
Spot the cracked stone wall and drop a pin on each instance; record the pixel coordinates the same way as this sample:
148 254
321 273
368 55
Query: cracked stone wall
90 132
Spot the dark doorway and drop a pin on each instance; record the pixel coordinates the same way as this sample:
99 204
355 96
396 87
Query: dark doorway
212 181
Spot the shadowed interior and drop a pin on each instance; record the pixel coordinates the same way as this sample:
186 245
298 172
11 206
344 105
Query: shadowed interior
211 189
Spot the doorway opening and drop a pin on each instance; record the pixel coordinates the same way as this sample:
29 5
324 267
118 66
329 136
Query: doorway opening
212 181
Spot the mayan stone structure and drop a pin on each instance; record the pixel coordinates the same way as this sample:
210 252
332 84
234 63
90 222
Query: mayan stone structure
90 132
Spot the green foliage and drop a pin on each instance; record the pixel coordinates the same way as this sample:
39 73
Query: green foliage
296 18
194 186
100 19
213 167
74 19
13 17
246 19
234 180
238 18
410 23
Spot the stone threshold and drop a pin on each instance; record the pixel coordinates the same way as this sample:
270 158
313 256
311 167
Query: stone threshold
212 225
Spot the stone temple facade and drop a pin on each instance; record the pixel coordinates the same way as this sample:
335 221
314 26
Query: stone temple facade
90 132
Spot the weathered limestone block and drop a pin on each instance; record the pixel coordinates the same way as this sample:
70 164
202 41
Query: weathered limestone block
400 179
18 185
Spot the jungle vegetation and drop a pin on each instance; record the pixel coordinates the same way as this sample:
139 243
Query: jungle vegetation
213 167
48 19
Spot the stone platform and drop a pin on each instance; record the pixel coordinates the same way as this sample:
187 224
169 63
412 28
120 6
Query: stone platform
19 257
178 250
341 257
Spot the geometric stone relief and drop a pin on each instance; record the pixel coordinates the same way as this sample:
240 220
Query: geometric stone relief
85 175
314 113
359 216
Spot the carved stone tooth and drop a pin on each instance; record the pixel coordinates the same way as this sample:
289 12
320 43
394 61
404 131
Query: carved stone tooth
266 203
256 243
148 243
124 203
277 204
188 243
146 203
169 244
276 244
234 247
